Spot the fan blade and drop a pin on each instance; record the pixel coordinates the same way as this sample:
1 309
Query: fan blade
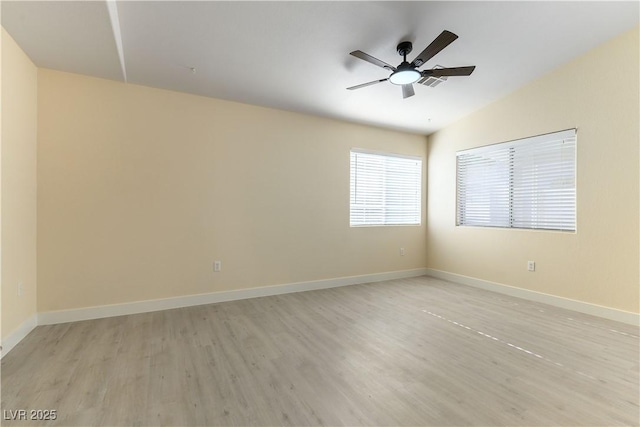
443 40
407 91
367 84
446 72
375 61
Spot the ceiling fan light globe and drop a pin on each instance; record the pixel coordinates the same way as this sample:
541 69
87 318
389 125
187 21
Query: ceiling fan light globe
404 77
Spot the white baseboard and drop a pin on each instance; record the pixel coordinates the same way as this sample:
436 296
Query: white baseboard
18 334
97 312
556 301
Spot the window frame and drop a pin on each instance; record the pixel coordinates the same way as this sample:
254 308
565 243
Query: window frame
515 168
419 190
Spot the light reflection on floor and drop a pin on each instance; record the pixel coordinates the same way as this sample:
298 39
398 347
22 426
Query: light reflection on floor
524 350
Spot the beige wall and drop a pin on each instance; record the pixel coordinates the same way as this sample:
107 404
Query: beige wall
18 205
599 94
141 189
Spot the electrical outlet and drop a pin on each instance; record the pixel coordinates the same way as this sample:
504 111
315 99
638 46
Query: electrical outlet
531 265
217 266
20 289
401 251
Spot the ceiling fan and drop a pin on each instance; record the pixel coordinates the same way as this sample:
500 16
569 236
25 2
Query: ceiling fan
406 74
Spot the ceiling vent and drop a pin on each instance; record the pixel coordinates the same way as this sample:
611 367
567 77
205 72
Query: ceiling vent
433 81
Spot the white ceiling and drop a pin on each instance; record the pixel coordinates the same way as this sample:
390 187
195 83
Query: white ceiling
295 55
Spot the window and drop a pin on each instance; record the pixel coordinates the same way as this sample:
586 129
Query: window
528 183
385 189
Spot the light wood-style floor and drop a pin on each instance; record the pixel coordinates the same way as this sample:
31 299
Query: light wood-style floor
405 352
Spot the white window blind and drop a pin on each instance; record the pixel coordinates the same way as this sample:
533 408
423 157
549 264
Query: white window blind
385 189
527 183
